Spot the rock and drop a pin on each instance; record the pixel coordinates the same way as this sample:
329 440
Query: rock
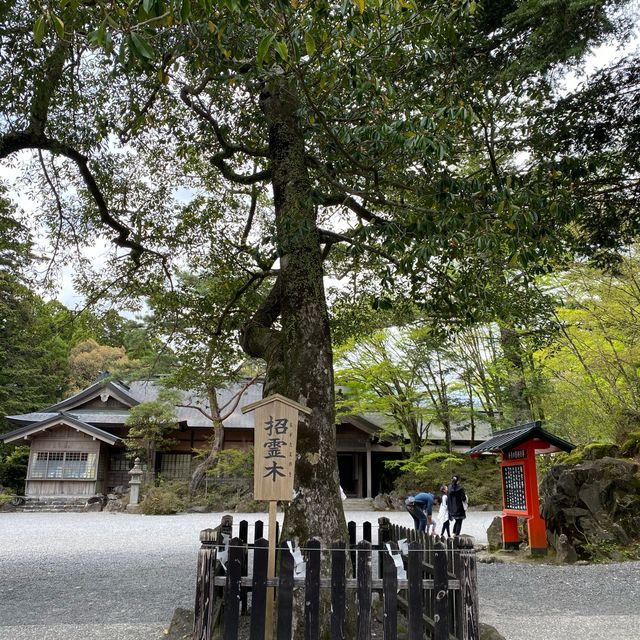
92 506
594 504
114 505
487 632
597 450
494 534
198 508
382 502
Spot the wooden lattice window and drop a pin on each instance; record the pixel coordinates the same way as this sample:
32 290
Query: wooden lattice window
63 465
176 466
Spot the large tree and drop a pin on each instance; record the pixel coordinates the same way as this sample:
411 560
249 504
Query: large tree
295 128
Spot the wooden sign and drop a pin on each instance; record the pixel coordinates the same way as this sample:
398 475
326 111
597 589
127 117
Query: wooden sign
275 439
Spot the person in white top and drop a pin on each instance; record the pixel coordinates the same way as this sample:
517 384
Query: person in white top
443 513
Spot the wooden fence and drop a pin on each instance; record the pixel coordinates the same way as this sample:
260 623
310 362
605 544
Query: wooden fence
431 582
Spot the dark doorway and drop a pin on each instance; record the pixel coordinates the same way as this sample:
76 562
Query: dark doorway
352 470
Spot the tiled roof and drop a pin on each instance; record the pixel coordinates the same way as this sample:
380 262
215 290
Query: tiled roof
55 419
510 438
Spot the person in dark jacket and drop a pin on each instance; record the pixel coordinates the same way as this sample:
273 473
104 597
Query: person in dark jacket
456 502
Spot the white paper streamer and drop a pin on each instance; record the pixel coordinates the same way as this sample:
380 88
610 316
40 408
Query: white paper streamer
223 552
397 560
404 546
300 568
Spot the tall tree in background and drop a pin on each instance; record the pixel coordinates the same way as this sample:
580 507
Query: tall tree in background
593 365
33 363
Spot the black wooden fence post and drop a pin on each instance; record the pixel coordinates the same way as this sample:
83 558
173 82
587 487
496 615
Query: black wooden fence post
415 600
259 588
312 591
390 593
363 631
338 606
440 593
232 589
285 594
205 588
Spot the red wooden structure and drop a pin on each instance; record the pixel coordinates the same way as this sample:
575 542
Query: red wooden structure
518 447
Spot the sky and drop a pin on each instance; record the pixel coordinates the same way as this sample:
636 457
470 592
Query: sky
65 291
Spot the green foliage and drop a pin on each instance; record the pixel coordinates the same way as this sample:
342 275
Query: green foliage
13 467
234 463
149 424
596 382
481 478
166 499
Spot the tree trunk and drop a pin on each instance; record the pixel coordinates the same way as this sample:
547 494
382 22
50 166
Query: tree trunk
299 355
200 472
512 349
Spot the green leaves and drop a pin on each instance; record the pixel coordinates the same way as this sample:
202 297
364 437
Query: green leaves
141 47
41 23
283 51
38 30
185 10
309 43
263 49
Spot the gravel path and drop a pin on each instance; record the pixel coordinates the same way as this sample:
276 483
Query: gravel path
101 576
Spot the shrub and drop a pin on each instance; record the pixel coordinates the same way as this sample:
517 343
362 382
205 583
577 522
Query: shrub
165 499
234 463
427 472
13 468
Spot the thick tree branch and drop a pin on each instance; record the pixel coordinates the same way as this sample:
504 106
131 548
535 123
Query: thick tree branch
258 339
23 140
345 200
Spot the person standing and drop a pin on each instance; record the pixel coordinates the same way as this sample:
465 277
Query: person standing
443 513
456 502
420 508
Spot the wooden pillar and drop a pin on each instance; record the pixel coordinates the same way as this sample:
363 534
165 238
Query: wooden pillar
536 526
369 470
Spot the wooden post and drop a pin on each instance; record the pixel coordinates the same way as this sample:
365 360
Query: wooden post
363 627
440 593
469 591
390 594
271 568
205 589
415 599
259 588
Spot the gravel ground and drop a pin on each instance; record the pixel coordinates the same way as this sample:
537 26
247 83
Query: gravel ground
105 576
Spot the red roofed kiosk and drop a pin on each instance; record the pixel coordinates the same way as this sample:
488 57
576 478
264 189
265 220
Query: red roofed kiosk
518 447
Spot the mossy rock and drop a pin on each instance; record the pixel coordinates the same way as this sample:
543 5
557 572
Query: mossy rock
599 450
631 446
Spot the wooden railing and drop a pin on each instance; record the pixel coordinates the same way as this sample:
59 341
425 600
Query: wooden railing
428 581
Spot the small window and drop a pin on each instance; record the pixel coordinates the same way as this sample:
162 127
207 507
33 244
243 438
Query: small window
176 466
63 465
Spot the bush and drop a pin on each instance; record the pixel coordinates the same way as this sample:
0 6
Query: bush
13 468
234 463
166 499
480 477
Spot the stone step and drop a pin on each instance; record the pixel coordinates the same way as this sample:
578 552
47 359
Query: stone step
357 504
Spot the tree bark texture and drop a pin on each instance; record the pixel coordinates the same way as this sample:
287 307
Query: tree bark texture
298 354
512 349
